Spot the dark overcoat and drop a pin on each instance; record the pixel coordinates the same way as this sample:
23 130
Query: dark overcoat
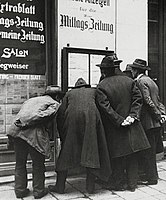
118 97
82 134
152 108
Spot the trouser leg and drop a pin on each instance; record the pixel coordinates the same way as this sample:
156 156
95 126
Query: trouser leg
21 153
132 170
141 167
59 187
90 181
150 158
118 174
38 170
61 180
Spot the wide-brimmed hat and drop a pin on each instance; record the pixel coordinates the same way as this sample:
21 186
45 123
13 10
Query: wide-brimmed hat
107 62
140 64
53 89
81 83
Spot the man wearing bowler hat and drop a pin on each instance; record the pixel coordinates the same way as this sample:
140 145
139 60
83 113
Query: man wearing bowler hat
116 64
152 116
120 101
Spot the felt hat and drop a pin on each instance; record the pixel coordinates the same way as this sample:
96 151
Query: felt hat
53 89
81 83
140 64
107 62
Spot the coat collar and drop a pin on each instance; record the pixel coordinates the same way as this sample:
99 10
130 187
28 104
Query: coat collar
138 77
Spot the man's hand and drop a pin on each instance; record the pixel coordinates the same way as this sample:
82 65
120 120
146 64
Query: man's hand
128 121
163 119
125 123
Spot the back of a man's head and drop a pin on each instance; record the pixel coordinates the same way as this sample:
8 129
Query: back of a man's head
54 92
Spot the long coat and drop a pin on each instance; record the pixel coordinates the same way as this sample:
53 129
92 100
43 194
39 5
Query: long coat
82 134
118 97
31 123
152 107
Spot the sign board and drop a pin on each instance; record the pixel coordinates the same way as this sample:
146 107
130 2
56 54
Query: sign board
22 37
87 23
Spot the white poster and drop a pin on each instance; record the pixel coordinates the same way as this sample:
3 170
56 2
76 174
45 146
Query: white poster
87 23
94 70
77 69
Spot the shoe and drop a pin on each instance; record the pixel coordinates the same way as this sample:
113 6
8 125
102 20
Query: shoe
54 188
23 194
90 189
115 187
131 189
152 182
40 195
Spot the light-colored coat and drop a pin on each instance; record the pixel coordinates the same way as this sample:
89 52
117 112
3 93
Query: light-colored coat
31 123
152 107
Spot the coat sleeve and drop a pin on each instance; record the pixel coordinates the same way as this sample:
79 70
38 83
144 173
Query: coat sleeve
61 117
162 108
104 104
41 116
136 102
148 100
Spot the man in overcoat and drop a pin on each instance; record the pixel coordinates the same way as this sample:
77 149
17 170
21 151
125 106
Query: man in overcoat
120 101
83 138
152 117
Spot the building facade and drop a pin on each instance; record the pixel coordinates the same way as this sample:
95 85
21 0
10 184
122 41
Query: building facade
57 41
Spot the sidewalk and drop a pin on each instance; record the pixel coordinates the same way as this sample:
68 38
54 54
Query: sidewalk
75 189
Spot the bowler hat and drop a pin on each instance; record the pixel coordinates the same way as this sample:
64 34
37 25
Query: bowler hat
140 64
80 83
53 89
107 62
